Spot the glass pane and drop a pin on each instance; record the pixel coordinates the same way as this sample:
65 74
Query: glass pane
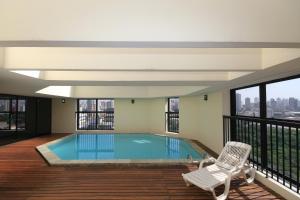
283 100
174 105
106 105
14 105
173 122
21 105
4 105
247 102
87 105
105 121
4 121
87 121
13 121
21 121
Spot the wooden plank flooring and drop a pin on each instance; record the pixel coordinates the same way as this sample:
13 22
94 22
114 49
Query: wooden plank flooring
25 175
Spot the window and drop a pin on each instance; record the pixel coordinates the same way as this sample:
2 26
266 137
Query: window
95 114
172 115
275 142
12 114
247 102
283 102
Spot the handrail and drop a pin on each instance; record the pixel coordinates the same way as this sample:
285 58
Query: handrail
266 120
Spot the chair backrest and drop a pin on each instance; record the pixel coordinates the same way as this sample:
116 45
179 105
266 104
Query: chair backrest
234 154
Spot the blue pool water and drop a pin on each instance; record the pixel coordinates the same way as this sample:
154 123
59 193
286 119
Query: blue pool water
123 146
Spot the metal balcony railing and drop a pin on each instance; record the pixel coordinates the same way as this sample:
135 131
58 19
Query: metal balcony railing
275 146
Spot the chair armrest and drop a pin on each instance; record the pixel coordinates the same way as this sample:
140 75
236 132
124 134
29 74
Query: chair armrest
235 171
208 160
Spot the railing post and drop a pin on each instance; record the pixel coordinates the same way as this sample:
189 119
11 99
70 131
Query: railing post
263 127
233 113
233 129
224 130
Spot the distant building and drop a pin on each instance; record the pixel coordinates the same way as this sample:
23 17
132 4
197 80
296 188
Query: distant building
247 103
91 105
293 103
4 105
174 105
273 104
238 102
109 104
270 112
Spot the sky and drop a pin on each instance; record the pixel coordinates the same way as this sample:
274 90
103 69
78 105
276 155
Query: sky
249 92
284 89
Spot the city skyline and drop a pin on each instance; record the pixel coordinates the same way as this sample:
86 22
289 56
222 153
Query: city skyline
283 89
278 105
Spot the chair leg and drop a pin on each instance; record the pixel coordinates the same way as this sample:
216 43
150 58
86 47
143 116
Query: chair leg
186 182
226 191
252 176
251 172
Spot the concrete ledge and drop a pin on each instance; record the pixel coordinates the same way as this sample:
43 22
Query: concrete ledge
276 187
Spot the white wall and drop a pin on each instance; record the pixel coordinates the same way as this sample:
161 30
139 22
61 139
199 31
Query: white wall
132 117
145 115
202 120
63 116
157 115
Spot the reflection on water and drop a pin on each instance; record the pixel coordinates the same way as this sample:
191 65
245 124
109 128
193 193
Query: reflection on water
173 145
102 146
123 146
95 146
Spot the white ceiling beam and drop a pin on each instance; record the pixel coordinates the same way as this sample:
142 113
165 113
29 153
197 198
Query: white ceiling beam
134 76
1 57
133 91
275 56
155 20
225 59
152 44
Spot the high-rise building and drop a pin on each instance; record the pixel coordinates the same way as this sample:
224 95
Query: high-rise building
247 103
238 99
109 104
273 104
90 105
4 105
293 103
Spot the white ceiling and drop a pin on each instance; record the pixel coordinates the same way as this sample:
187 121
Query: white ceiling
144 49
131 72
113 22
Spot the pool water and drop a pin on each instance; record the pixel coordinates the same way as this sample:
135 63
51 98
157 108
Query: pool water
123 146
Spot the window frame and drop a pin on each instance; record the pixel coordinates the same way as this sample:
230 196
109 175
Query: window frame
96 112
259 94
167 114
16 112
262 97
266 125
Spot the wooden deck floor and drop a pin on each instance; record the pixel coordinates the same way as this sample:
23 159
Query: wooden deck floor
25 175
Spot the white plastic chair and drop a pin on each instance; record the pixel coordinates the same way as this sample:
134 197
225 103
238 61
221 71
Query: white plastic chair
232 162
